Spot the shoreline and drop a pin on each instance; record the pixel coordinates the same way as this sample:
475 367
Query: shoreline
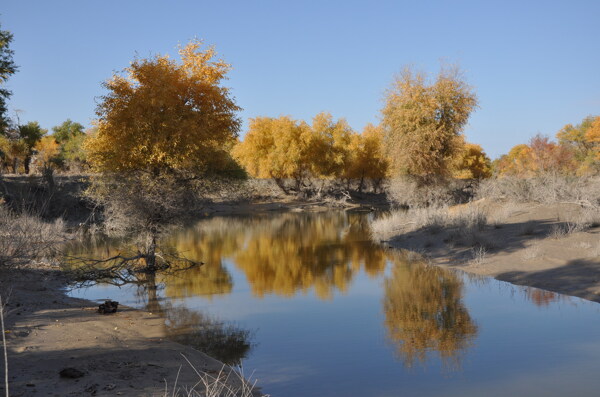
125 353
523 249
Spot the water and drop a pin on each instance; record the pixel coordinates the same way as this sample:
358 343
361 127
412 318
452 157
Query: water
313 308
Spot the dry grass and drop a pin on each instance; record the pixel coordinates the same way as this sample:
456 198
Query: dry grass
228 382
531 253
408 193
469 219
547 189
478 254
25 238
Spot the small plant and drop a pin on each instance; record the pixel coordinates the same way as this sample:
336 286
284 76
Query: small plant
228 382
531 253
478 254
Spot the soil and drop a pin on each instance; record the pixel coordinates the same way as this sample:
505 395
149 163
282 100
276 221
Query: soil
61 346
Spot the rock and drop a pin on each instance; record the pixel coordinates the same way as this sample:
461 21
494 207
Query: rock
108 307
72 373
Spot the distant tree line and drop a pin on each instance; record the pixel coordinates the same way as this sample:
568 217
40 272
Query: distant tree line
576 152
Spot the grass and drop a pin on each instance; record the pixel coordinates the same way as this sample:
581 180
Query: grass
25 237
531 253
467 219
228 382
478 254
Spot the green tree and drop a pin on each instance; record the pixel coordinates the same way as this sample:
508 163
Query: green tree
67 131
7 69
30 134
423 121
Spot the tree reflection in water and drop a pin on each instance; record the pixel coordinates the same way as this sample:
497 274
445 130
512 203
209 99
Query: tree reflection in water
281 255
287 254
424 312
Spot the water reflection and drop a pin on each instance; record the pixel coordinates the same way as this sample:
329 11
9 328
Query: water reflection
282 255
424 312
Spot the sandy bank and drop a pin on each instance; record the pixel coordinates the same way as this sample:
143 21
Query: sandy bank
120 354
520 245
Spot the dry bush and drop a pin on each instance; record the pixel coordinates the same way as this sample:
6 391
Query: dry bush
258 189
25 237
411 193
500 215
547 189
478 254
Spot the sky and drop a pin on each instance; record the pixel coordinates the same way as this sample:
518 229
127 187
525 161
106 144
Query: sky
534 65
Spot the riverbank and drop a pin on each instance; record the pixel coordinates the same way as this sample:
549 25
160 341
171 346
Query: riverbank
548 246
125 353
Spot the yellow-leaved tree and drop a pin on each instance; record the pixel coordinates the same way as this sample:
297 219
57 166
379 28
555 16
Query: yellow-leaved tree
423 122
367 158
164 130
165 116
277 148
473 163
329 145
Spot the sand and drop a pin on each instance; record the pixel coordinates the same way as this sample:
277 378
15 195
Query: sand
521 248
119 354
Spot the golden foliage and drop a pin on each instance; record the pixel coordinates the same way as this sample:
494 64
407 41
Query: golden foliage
540 156
165 115
275 148
284 255
472 163
47 150
424 312
423 122
367 156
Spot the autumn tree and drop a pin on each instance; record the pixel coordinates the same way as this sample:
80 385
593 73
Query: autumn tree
540 156
329 145
584 141
472 163
7 69
423 121
277 148
164 132
367 158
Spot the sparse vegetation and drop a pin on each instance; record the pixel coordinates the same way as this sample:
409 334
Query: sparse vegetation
25 238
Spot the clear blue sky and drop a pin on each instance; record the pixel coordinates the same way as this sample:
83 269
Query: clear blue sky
535 65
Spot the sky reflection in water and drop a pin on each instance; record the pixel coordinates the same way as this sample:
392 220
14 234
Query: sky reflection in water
314 308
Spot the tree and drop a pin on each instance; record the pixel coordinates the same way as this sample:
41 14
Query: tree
473 163
30 134
67 130
278 148
423 121
7 69
329 145
165 130
367 159
166 117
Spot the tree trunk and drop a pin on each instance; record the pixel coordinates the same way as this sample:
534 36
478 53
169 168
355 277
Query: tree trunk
27 164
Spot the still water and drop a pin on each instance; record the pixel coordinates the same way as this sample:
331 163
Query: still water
313 308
